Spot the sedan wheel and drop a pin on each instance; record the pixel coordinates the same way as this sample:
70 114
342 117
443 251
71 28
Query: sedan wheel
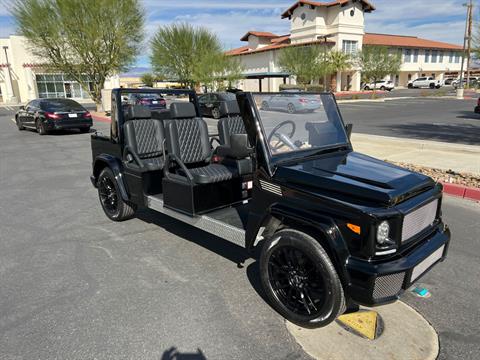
19 125
41 128
265 106
291 108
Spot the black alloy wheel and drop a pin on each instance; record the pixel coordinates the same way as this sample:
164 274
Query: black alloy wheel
19 125
291 108
300 280
40 127
111 200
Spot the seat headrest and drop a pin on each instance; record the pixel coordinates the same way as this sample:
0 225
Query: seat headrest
229 108
161 114
182 110
137 112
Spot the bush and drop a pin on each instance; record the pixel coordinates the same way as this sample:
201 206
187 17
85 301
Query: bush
291 87
314 88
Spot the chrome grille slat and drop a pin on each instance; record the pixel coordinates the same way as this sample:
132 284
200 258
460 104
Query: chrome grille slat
419 220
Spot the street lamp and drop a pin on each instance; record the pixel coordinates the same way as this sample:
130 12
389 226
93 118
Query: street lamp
324 38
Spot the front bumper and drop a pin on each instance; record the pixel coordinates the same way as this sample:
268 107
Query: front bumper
377 283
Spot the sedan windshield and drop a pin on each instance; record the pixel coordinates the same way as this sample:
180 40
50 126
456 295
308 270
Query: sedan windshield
298 122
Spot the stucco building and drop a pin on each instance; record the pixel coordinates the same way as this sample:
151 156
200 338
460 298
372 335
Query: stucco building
340 25
24 77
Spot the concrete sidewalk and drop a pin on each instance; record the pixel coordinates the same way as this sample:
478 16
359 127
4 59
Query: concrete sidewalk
439 155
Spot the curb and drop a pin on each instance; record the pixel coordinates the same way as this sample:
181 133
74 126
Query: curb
461 191
100 118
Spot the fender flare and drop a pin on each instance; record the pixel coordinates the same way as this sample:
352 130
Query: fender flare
105 160
332 239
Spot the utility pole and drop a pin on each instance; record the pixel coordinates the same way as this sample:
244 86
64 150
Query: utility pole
469 41
461 87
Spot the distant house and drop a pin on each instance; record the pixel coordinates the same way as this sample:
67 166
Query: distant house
342 24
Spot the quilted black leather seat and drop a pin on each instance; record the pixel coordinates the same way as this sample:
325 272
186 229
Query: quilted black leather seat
188 143
143 138
231 122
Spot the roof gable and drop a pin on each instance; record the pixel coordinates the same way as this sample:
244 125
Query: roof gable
260 34
367 6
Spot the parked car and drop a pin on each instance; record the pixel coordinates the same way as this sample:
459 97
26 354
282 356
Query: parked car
425 82
473 82
45 115
449 81
291 102
477 108
210 103
152 101
336 228
380 85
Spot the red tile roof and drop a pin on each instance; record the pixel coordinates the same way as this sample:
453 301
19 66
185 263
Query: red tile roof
260 34
367 6
407 41
245 50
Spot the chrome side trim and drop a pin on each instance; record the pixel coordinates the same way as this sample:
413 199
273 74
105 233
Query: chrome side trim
271 187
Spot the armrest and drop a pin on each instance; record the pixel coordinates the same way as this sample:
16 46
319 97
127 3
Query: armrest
128 150
238 149
173 158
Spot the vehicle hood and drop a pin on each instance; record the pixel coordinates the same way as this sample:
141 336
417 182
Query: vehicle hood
354 176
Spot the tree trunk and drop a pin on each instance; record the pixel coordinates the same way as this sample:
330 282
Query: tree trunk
333 82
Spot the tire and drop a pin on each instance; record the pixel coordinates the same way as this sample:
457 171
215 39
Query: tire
40 128
85 130
19 126
112 203
216 113
432 86
410 86
367 88
265 106
291 108
437 87
282 279
382 88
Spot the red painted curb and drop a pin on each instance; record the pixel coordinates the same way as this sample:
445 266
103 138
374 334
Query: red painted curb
462 191
99 118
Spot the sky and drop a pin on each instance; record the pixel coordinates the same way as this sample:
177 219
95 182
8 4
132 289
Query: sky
441 20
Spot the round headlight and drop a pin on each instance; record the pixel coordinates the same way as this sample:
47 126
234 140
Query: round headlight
383 233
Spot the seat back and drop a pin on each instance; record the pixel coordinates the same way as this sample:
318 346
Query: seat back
187 134
143 134
231 122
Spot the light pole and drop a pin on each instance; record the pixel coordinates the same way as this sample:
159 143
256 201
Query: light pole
9 88
466 41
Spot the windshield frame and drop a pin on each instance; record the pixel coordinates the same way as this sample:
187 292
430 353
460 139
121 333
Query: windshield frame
301 154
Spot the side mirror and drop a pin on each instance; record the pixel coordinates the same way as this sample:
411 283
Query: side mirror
349 129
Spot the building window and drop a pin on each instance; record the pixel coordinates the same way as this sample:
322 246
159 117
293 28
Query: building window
59 85
408 55
350 47
427 56
458 58
452 57
415 55
434 56
440 60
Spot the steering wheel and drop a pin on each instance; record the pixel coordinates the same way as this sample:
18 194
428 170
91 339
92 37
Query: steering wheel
283 139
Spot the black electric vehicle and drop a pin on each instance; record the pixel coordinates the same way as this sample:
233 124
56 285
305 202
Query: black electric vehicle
337 229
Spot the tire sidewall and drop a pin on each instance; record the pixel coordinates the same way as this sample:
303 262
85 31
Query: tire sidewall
107 172
310 247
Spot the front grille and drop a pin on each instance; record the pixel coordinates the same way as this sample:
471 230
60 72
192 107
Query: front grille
419 220
388 286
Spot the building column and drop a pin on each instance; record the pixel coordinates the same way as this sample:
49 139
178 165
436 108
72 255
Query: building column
9 96
356 81
339 81
32 87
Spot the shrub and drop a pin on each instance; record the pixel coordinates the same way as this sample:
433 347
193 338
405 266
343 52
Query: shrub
291 87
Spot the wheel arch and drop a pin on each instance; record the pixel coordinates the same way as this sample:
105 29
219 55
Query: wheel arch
103 161
321 228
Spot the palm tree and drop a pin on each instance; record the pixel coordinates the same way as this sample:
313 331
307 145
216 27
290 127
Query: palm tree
338 61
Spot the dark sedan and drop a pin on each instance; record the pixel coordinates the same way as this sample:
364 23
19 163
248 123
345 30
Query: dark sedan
210 103
152 101
45 115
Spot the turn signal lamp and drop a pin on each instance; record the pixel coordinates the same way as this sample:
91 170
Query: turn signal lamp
355 228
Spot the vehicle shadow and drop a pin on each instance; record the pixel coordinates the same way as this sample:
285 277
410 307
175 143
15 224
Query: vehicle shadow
253 273
224 248
174 354
470 115
454 133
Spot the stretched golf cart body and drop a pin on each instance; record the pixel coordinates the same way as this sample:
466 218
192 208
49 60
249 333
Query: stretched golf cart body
337 228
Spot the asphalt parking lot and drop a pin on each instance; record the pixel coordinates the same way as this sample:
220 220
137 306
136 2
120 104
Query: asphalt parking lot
75 285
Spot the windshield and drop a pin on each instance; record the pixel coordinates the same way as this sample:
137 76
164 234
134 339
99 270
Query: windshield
297 122
59 105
